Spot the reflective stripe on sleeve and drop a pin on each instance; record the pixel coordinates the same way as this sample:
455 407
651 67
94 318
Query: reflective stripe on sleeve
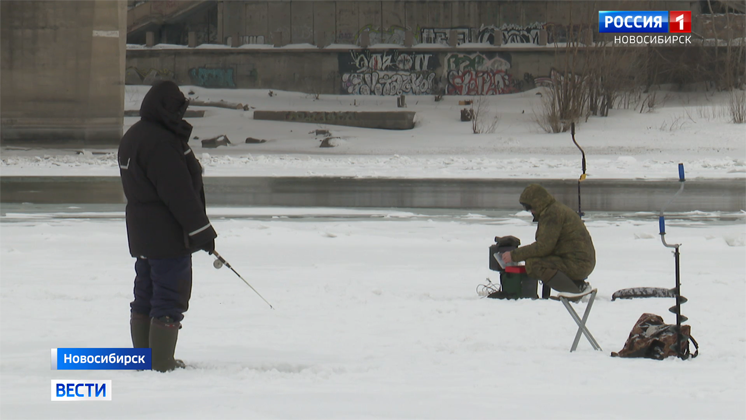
200 230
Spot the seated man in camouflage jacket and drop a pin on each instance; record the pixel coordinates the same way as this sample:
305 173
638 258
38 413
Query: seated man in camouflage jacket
563 255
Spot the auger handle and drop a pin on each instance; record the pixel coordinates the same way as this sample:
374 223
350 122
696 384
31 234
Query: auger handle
682 178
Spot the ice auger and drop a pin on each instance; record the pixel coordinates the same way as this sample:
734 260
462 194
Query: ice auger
676 309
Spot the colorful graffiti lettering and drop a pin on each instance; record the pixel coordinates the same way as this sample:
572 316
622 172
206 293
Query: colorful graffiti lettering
389 83
478 74
212 78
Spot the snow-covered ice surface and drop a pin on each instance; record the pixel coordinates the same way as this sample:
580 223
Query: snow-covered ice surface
376 316
691 128
376 310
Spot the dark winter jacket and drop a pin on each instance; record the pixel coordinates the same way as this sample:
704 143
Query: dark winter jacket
560 233
162 180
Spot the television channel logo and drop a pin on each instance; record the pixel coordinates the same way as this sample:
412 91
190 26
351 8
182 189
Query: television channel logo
81 390
639 22
101 359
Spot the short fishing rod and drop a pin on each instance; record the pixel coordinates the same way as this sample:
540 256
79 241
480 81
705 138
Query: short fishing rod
220 262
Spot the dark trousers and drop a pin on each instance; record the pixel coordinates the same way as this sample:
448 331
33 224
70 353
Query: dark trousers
163 287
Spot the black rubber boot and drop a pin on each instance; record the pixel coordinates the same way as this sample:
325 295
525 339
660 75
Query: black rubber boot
163 335
140 330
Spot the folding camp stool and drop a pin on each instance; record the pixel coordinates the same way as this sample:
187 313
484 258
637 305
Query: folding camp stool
582 329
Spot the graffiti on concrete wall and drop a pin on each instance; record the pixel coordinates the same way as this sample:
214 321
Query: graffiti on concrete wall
388 73
528 34
557 32
478 74
212 78
388 83
440 35
392 35
392 60
135 76
517 34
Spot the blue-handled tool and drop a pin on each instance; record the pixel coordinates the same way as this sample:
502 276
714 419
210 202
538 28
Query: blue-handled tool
677 294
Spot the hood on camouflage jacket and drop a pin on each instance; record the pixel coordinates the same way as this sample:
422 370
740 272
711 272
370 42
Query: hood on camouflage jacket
560 233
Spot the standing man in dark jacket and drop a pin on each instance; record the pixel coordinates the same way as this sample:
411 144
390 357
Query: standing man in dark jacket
563 255
166 219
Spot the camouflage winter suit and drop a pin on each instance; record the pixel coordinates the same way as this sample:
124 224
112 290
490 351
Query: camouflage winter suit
562 241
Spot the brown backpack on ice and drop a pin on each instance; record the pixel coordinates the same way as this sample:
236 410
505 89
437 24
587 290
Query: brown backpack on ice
654 339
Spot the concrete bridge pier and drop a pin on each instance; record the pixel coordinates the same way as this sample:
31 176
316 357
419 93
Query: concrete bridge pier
62 74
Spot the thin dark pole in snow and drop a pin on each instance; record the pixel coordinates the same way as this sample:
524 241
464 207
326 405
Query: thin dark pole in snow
220 261
582 176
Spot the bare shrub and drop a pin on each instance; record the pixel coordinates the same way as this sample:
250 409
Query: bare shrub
676 122
737 106
483 121
649 102
610 73
549 116
711 112
629 97
652 100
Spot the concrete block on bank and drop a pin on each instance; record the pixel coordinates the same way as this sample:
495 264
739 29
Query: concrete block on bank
498 38
212 143
190 113
452 38
387 120
543 37
330 142
365 39
408 39
277 39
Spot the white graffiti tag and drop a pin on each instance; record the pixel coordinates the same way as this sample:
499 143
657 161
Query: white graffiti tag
385 83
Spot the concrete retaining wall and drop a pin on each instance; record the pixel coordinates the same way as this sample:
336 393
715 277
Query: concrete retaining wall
324 22
392 72
389 120
727 195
